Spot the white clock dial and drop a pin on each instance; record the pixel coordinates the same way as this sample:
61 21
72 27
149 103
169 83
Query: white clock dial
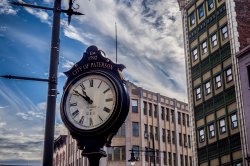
90 102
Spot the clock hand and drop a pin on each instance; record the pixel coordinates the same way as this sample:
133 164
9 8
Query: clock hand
87 98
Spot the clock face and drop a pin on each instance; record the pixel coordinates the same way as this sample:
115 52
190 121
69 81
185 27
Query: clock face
90 102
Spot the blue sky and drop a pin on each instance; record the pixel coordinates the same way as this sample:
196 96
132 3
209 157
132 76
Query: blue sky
150 45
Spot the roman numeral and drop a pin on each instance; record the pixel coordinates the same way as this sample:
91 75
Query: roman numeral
109 99
100 118
106 90
99 84
90 122
83 87
91 82
81 120
75 113
106 109
73 104
75 93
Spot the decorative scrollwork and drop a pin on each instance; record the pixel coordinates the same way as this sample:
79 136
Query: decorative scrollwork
77 5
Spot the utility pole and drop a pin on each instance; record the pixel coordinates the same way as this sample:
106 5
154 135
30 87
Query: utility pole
52 88
53 69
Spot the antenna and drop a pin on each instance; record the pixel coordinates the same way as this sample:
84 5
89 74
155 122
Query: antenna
115 43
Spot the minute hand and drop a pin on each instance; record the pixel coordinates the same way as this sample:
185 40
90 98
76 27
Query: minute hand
87 98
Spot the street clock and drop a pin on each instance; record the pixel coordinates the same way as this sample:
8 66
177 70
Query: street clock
95 102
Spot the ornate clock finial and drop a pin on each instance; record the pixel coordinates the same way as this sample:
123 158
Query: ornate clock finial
91 50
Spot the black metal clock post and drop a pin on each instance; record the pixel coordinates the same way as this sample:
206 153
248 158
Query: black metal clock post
95 103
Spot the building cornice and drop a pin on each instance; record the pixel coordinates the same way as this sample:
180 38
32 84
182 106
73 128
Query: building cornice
243 52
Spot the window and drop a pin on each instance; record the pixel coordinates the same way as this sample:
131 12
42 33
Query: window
222 126
188 121
183 119
151 131
145 108
181 157
173 137
157 156
201 11
234 121
169 136
185 140
192 19
136 151
195 54
224 32
134 106
229 75
180 139
210 4
211 130
121 131
165 158
172 115
214 40
119 153
179 118
190 161
174 159
150 109
146 154
162 113
156 133
198 93
204 47
155 111
167 114
208 88
116 153
186 160
163 135
169 158
135 129
218 81
145 131
189 141
201 135
248 74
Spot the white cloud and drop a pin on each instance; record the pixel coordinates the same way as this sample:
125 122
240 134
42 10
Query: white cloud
2 107
67 64
6 8
2 124
31 115
148 40
39 13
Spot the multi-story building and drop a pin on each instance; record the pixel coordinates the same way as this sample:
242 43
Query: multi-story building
214 31
244 76
60 149
152 117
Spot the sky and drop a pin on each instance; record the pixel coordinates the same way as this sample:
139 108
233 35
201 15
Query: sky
150 45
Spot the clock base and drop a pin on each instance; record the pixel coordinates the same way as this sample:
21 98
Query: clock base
94 156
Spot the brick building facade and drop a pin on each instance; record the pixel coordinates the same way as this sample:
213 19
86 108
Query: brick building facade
214 32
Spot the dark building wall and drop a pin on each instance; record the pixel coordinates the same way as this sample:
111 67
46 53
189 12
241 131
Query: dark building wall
242 8
244 71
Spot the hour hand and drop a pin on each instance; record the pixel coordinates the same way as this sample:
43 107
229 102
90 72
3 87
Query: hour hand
87 98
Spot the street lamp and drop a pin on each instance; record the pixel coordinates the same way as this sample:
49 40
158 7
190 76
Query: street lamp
133 159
